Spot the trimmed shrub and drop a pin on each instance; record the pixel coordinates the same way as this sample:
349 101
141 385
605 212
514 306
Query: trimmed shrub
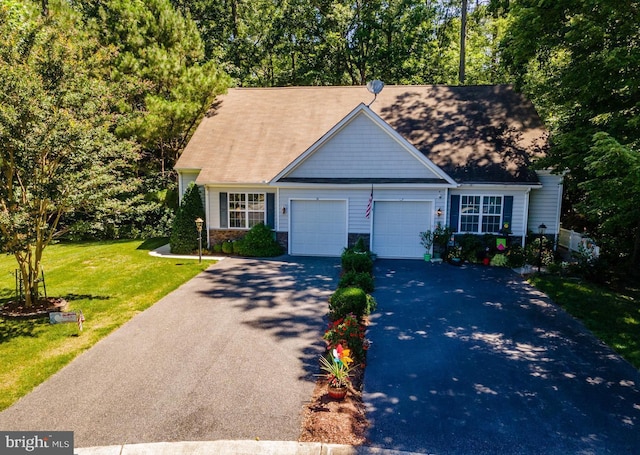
360 280
184 235
259 242
236 246
227 247
348 300
217 248
353 261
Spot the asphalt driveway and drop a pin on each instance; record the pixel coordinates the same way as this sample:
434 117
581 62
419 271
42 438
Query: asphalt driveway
229 355
472 360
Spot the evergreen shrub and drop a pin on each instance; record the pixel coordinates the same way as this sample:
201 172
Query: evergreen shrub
348 300
359 262
184 235
360 280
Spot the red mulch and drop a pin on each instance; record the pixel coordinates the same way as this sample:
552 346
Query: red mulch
335 422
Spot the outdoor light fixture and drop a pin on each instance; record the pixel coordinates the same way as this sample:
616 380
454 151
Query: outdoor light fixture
199 223
439 212
541 230
284 209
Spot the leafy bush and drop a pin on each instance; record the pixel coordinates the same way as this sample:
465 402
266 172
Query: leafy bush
348 300
184 235
236 246
360 280
499 260
350 331
227 247
259 242
472 246
217 248
516 256
353 261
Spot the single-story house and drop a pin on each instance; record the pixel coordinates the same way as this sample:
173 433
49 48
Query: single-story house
324 166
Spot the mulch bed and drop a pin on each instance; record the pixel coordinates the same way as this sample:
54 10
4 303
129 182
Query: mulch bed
332 421
42 307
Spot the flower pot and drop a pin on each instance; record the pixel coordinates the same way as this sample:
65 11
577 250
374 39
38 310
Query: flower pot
486 261
337 393
427 257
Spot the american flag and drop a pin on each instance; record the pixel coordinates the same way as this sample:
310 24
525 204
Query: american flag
367 213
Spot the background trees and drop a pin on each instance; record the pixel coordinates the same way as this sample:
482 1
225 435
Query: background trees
579 62
57 154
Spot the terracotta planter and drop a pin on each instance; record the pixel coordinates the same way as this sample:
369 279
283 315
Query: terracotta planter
337 393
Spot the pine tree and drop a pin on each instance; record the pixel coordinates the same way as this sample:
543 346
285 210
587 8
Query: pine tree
184 235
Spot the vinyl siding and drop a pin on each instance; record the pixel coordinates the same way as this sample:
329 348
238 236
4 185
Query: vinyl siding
544 204
362 149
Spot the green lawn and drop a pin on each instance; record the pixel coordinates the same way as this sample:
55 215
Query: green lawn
613 317
109 281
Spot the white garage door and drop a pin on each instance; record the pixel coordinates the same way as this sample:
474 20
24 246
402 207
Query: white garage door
318 228
397 226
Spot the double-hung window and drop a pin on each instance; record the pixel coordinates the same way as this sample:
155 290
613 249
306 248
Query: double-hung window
480 214
246 210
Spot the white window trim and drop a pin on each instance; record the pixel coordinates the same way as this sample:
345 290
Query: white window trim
480 214
246 209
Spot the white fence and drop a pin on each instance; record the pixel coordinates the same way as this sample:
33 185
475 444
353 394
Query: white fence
573 241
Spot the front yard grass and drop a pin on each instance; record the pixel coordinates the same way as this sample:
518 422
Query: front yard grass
109 281
613 317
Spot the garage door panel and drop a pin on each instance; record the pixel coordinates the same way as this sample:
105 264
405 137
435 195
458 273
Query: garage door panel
397 226
318 227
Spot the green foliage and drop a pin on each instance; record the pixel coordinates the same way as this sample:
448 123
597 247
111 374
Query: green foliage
348 300
165 84
259 242
217 248
499 260
426 240
473 246
184 235
58 153
360 280
266 43
516 256
577 61
353 261
350 331
533 254
227 247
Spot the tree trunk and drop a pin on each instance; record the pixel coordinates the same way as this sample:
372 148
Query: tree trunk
463 39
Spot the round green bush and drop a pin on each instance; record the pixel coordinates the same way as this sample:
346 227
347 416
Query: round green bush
347 300
217 248
259 242
227 247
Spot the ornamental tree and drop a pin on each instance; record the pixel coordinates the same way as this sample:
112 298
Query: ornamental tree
57 152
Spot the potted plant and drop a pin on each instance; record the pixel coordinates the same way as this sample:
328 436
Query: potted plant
426 240
454 255
337 371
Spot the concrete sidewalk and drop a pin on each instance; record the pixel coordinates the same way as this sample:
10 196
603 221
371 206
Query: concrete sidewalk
237 448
